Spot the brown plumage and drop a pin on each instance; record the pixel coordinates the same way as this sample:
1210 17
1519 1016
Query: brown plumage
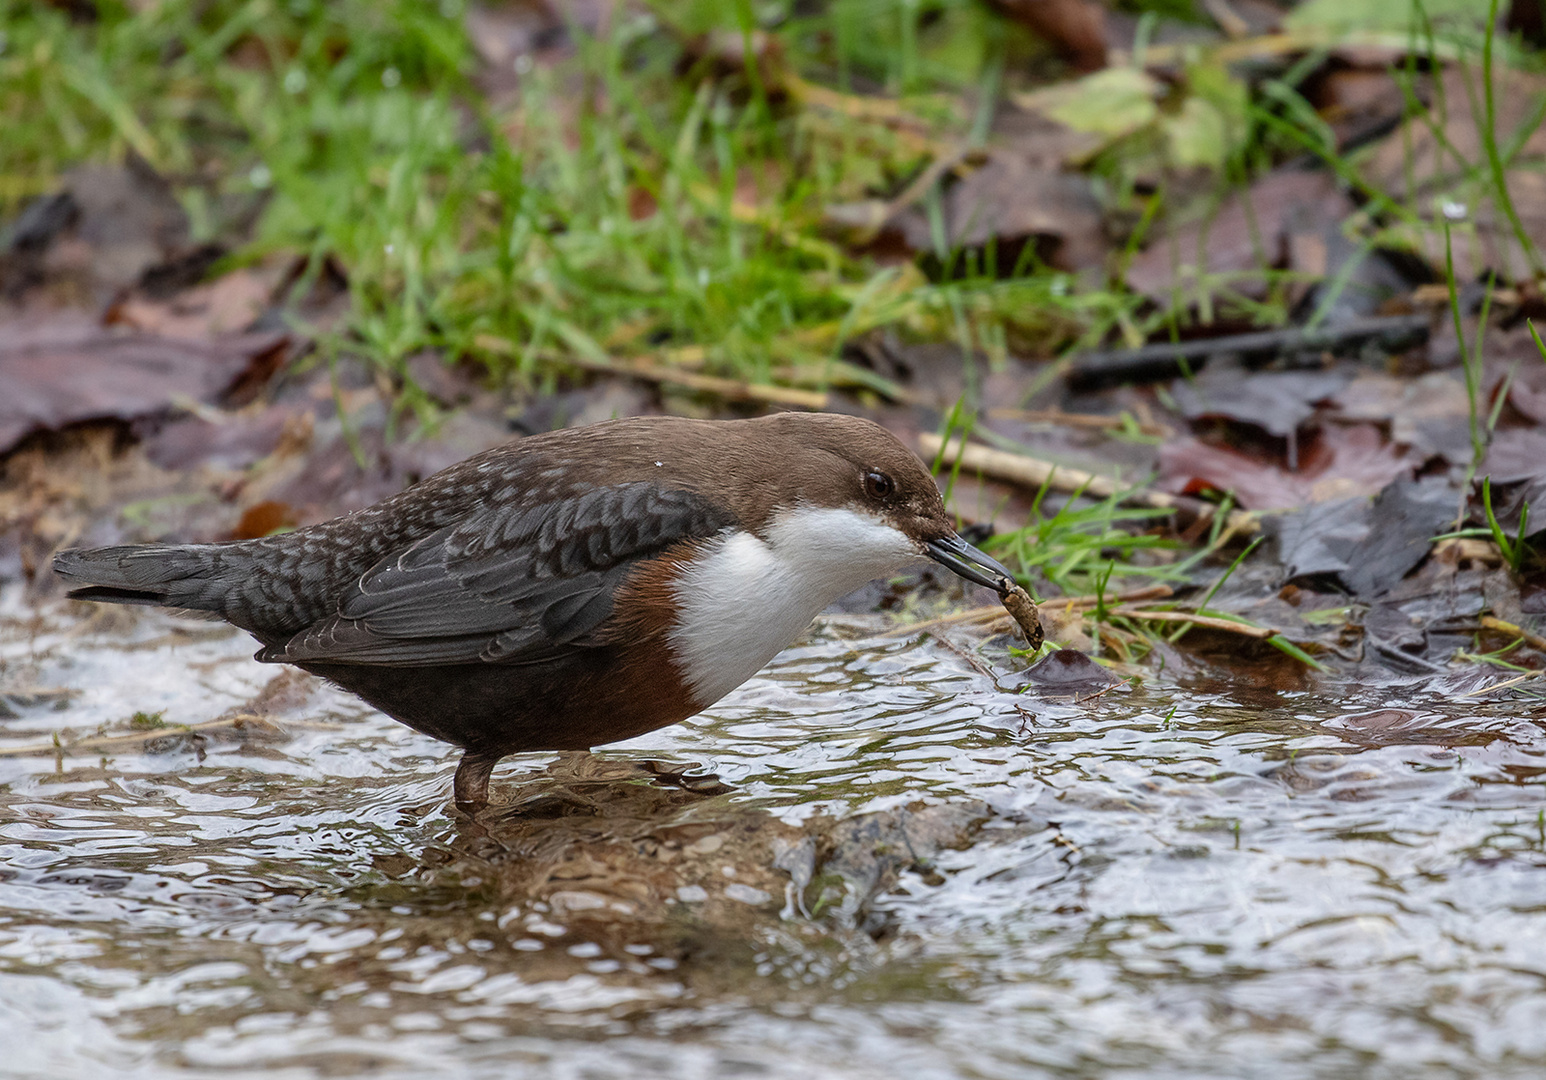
529 598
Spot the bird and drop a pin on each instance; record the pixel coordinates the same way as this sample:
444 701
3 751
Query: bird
572 588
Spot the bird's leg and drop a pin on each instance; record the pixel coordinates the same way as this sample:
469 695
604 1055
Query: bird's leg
471 785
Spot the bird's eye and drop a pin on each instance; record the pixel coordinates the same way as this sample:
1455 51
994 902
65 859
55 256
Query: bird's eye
877 485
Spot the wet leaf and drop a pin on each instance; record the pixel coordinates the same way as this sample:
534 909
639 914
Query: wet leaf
1365 547
1011 202
232 441
448 384
1428 616
1248 233
1516 465
1357 102
229 304
1316 543
68 370
1277 402
1430 413
1404 519
106 228
1340 461
1110 103
340 472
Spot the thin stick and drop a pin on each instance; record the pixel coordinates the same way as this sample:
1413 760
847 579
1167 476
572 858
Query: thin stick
1235 28
1504 685
729 389
993 612
1034 473
1081 420
1261 633
1167 360
1148 592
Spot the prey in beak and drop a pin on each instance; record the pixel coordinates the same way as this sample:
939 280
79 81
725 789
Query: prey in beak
973 565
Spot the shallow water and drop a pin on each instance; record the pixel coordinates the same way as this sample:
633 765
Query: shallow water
1219 881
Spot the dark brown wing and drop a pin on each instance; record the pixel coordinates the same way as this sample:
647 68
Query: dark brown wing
509 584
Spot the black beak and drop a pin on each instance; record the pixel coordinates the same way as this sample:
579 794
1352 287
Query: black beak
959 556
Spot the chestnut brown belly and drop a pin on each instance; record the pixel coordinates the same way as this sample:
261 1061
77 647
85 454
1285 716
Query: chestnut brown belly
584 698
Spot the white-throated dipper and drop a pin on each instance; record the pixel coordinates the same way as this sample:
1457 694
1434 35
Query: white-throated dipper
572 588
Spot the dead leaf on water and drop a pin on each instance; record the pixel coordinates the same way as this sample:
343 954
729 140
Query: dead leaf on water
1068 672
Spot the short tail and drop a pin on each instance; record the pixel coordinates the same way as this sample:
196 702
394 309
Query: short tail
185 576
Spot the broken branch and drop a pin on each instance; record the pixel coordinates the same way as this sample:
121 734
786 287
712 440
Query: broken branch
729 389
1167 360
1034 473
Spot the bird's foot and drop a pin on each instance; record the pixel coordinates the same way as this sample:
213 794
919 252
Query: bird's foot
470 788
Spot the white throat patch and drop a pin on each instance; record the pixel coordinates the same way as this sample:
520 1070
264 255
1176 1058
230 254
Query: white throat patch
751 597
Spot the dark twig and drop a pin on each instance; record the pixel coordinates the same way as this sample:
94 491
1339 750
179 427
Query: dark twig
1150 363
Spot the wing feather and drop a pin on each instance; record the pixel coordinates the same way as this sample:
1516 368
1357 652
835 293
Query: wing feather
511 583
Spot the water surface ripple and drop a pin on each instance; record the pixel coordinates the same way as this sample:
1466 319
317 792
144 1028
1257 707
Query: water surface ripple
1227 881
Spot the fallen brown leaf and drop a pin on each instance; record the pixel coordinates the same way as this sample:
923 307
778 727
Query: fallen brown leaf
1430 413
263 518
67 369
1277 402
228 304
224 441
1341 460
1250 232
1012 202
1428 170
1356 101
107 226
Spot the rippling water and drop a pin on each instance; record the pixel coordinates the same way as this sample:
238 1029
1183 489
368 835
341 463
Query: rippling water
1183 880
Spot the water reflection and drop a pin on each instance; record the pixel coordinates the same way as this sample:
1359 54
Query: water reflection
1168 881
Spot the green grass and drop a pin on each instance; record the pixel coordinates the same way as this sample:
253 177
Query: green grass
643 200
1079 548
639 200
1095 550
636 202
